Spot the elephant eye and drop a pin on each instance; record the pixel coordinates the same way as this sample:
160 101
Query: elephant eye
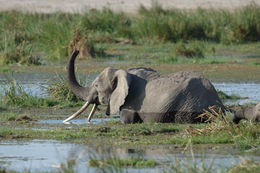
96 85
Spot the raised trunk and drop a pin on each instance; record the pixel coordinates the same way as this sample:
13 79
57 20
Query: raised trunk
76 88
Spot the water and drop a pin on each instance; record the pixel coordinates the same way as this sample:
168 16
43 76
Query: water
47 155
249 91
79 121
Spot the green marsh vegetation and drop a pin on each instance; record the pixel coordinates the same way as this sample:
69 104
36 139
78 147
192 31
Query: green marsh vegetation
15 96
220 130
59 95
32 38
117 162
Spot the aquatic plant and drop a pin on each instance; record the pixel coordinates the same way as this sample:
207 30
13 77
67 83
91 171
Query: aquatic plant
60 90
223 130
14 95
246 166
10 116
224 96
118 162
194 50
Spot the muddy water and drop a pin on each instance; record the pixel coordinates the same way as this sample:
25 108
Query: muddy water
43 155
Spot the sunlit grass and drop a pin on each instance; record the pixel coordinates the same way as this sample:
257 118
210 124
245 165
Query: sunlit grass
34 37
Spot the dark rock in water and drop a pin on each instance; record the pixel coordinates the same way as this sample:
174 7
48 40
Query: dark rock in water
23 117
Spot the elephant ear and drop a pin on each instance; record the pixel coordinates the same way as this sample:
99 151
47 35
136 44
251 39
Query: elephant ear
121 83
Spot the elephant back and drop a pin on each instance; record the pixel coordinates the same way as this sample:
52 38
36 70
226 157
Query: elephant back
147 74
179 97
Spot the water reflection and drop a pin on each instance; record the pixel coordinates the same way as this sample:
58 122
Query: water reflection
79 121
43 155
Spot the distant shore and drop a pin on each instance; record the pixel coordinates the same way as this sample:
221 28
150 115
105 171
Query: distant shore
129 6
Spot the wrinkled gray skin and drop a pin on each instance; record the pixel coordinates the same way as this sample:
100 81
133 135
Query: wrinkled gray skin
144 95
250 113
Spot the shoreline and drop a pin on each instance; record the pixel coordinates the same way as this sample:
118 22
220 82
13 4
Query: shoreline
128 6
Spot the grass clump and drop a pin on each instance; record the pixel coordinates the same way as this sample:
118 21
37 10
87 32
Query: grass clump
82 42
245 166
222 130
195 50
10 116
14 95
224 96
127 162
16 49
59 95
61 91
190 164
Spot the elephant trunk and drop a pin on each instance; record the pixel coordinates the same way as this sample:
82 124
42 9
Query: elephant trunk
76 88
79 91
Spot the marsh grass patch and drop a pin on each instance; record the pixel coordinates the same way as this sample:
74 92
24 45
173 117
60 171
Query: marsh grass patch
222 130
194 50
59 89
10 116
246 166
126 162
224 96
35 34
14 95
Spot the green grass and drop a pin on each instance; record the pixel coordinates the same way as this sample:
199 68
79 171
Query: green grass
128 162
224 96
244 136
14 95
35 37
10 116
60 96
245 166
61 91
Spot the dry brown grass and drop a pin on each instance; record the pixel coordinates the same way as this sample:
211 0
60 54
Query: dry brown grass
216 121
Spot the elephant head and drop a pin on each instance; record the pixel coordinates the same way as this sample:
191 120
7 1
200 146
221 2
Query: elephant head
109 88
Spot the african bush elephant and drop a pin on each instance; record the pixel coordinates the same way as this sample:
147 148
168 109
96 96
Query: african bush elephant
249 113
144 95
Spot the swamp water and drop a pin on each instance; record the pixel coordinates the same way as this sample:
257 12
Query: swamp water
48 155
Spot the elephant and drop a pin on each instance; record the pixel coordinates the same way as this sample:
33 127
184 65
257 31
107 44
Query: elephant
144 95
249 113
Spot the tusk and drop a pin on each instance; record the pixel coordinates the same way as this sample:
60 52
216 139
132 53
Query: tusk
77 113
92 112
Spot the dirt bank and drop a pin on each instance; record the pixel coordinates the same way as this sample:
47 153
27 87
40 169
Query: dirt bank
130 6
